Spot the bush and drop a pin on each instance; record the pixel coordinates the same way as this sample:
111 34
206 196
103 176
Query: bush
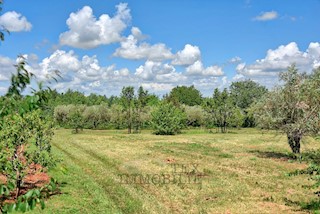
168 119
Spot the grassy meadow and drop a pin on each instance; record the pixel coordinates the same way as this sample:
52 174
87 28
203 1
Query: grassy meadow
243 171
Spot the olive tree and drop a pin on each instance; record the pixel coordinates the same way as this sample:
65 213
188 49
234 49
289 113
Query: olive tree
293 108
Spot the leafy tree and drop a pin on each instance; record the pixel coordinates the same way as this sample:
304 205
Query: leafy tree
118 116
222 111
139 104
75 118
94 116
127 101
245 93
168 119
292 108
196 116
25 137
185 95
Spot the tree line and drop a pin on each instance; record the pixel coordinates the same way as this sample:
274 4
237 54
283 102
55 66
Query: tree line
136 110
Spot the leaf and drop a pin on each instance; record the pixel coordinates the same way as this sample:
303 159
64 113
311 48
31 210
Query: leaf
37 192
33 204
42 204
11 185
29 194
23 206
12 207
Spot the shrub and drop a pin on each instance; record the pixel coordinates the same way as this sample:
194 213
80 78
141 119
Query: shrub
168 119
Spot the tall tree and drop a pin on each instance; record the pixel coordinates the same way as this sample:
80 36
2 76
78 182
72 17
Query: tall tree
139 104
244 93
222 111
185 95
127 101
292 108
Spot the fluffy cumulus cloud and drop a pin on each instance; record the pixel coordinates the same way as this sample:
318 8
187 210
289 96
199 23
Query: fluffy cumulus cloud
156 71
279 59
132 48
86 31
14 22
188 56
197 68
158 87
266 16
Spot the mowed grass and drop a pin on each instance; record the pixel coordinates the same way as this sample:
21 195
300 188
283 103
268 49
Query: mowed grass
239 172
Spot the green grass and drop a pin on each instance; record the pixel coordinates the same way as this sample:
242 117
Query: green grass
240 172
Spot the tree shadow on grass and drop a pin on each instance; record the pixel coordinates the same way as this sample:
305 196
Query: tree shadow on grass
274 155
313 205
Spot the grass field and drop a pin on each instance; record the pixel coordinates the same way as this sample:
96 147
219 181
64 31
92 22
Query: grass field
240 172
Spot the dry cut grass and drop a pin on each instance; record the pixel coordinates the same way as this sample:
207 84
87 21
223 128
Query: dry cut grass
196 172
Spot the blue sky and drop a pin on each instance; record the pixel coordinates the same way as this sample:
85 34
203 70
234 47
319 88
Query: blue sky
101 46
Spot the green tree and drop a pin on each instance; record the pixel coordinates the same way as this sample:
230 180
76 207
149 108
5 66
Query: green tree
25 137
118 116
185 95
222 110
167 119
244 93
139 105
127 101
292 108
75 117
196 115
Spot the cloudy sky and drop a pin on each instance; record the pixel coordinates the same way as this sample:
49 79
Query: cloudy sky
100 46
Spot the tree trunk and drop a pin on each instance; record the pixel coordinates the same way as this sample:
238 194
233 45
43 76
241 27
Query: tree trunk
294 139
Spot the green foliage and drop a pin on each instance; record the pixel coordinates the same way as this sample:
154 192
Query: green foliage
168 119
75 118
25 136
222 112
293 108
196 116
185 95
127 101
117 116
244 94
96 116
30 199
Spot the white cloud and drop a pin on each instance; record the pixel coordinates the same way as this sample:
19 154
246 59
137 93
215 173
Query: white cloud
188 56
235 60
238 77
7 68
157 87
280 59
131 48
14 22
85 31
197 68
266 16
156 71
